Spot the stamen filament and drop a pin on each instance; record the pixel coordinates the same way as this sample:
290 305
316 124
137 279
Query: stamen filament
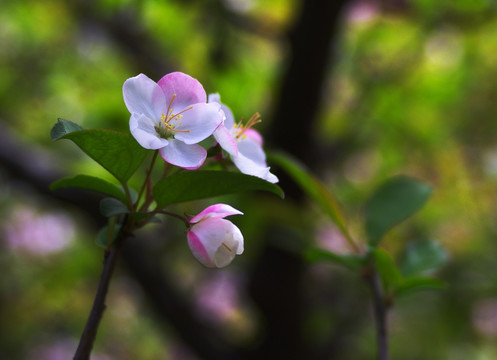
227 247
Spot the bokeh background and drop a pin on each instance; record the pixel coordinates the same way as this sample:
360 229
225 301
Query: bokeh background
358 90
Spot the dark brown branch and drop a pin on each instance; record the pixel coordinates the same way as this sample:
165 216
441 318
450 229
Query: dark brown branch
380 315
90 332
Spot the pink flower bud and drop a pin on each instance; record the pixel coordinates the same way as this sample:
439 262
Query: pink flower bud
213 240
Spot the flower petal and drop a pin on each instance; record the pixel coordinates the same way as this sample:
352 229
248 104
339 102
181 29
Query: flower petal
215 211
215 242
229 121
143 96
198 249
143 130
253 151
226 140
254 136
198 123
249 167
183 155
183 88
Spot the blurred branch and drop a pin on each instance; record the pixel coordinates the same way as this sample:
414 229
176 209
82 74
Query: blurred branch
127 32
311 41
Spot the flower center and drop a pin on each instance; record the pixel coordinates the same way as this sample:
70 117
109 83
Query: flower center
169 121
240 129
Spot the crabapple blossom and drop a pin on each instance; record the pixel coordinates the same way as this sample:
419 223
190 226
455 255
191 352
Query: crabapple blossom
242 143
171 116
213 240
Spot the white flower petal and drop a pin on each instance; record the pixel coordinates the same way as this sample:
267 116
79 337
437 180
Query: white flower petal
249 167
183 155
253 151
143 130
226 140
215 242
143 96
198 123
229 121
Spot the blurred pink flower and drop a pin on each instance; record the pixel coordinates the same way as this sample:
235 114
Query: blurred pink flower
217 297
38 234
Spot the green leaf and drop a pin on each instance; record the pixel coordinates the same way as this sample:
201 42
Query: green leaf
416 283
103 236
112 207
117 152
89 183
422 257
396 200
313 188
350 262
63 127
388 271
194 185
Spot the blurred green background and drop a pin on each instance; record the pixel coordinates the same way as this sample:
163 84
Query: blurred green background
409 87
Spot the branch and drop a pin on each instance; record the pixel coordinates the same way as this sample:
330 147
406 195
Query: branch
380 315
90 332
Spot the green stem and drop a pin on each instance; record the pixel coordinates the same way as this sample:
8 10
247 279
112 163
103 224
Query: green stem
128 197
149 171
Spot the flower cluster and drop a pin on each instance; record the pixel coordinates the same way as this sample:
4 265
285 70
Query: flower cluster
173 116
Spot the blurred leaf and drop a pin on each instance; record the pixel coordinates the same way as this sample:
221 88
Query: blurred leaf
63 127
348 261
422 257
194 185
393 202
117 152
112 207
416 283
103 236
388 271
313 188
89 183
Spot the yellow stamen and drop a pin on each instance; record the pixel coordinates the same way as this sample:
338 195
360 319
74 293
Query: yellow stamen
169 116
242 129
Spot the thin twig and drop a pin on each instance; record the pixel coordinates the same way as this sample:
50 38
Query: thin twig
380 315
90 332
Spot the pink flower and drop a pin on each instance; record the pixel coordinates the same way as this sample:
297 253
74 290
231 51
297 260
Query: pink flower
242 143
213 240
171 116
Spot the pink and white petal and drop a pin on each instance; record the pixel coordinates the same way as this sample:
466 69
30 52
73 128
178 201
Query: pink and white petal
143 96
143 130
185 90
226 140
186 156
229 121
220 238
255 136
198 123
216 211
198 250
253 151
249 167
